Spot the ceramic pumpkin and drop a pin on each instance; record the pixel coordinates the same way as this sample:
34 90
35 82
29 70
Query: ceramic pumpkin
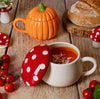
41 23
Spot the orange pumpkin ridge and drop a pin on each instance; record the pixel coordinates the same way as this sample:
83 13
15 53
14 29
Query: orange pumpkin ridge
41 23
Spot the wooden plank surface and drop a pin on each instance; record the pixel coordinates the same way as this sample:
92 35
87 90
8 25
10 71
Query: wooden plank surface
6 28
86 49
22 43
85 46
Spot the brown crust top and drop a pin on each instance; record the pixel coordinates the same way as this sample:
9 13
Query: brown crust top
75 29
93 3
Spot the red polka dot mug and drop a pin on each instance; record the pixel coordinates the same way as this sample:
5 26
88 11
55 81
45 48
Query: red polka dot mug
61 75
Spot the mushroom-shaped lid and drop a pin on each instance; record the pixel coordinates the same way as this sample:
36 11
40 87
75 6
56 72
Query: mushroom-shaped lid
4 40
5 10
35 65
95 34
42 13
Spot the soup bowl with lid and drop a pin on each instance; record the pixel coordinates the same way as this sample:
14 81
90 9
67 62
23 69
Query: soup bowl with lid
38 66
61 75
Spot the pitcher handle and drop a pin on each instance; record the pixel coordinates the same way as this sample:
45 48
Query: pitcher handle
17 28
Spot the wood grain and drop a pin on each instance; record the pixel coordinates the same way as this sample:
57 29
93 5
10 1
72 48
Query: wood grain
6 28
86 49
85 46
22 43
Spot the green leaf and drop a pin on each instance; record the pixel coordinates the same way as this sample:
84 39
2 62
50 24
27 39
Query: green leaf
96 94
6 4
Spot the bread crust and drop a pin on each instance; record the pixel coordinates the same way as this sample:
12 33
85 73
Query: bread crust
74 29
93 3
83 14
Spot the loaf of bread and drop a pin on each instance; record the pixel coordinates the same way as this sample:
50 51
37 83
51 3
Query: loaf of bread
93 3
85 13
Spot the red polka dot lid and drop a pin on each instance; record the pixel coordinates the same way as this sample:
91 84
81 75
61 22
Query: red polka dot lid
95 34
4 40
35 65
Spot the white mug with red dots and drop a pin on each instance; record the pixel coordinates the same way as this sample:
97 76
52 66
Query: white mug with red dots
61 75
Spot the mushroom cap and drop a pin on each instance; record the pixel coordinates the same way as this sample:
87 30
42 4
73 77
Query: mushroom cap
95 34
35 65
5 10
4 40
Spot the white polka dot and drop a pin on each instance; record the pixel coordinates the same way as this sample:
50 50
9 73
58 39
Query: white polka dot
95 40
34 57
45 52
42 45
4 37
92 30
27 83
26 60
42 66
2 9
32 50
6 44
97 33
91 36
21 70
35 78
28 69
6 40
0 33
0 41
98 29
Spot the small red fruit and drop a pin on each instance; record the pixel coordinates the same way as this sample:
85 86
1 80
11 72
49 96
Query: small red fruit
6 58
89 98
88 93
3 72
1 60
93 84
10 78
0 96
9 87
2 82
5 66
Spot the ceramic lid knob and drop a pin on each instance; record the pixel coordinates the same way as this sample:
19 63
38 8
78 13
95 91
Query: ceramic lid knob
35 65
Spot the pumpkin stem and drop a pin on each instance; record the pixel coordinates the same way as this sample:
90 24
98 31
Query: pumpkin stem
42 8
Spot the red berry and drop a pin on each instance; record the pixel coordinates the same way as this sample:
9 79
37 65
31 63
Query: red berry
93 84
6 58
89 98
10 78
1 60
0 96
9 87
3 72
2 82
88 93
5 66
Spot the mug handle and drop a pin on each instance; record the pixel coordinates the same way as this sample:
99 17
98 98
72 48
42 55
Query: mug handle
93 68
17 28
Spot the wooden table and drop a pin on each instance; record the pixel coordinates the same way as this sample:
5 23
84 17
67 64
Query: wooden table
22 43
